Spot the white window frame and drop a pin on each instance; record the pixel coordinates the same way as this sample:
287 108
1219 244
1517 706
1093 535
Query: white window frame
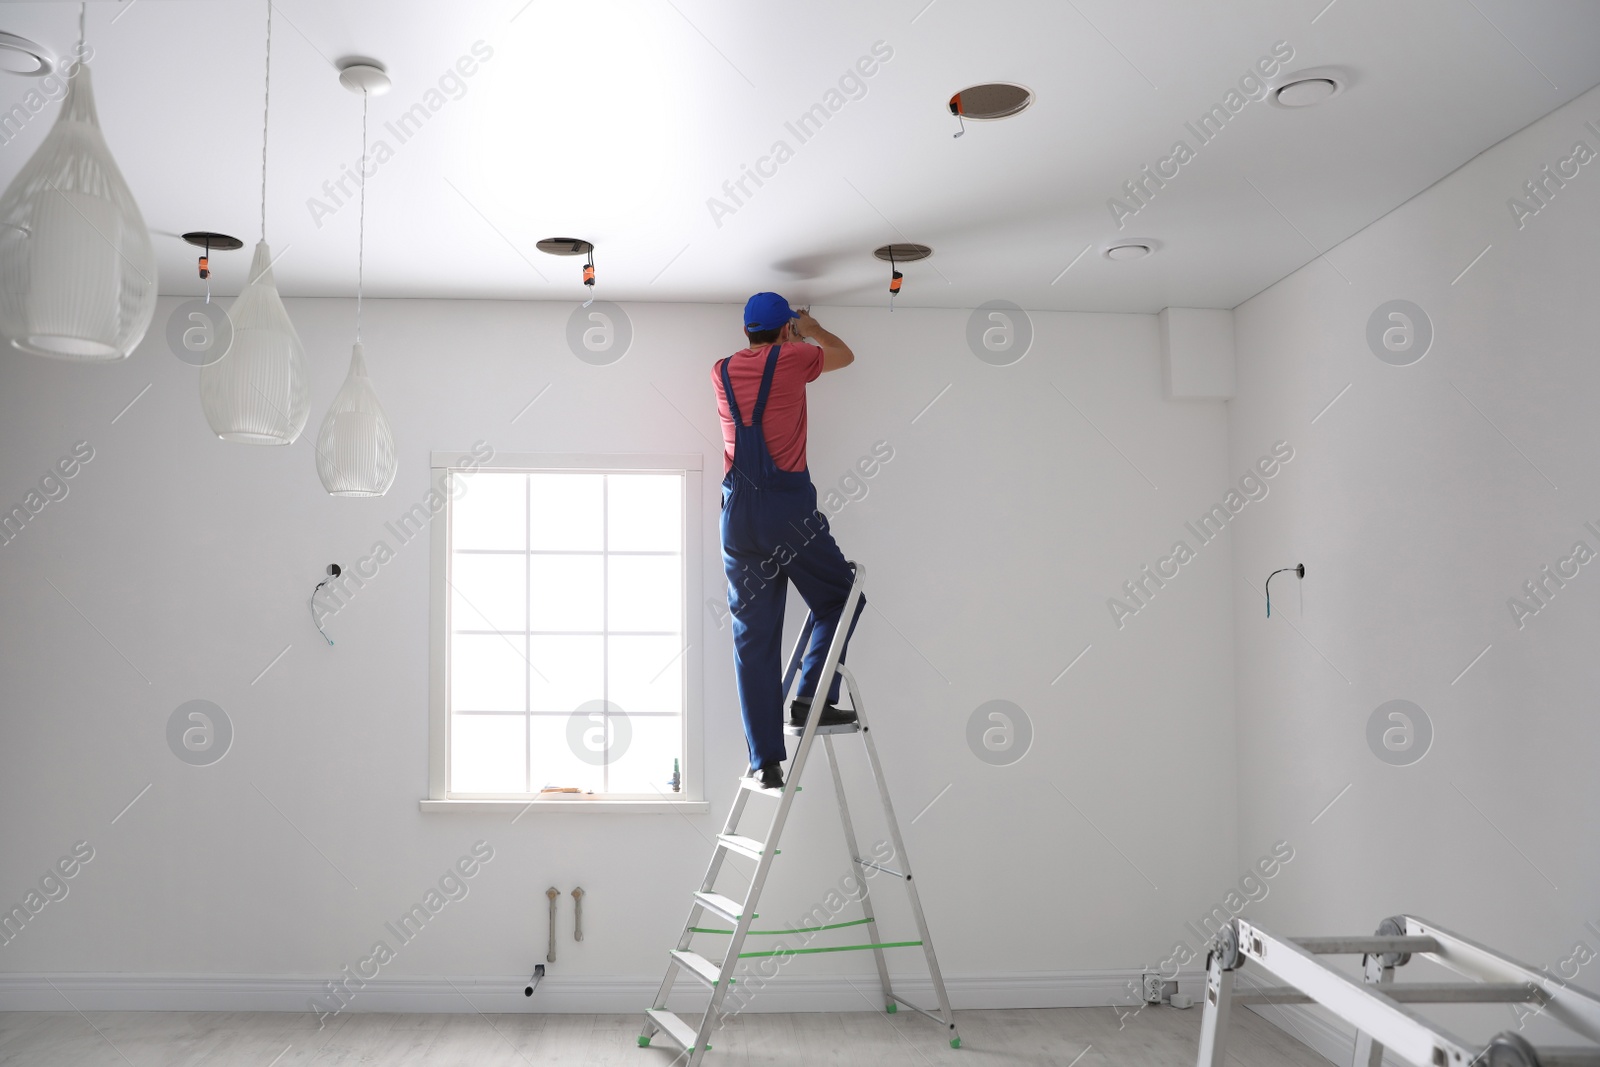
692 797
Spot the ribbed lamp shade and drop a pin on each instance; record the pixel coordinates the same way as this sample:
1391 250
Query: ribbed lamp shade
77 271
257 393
355 448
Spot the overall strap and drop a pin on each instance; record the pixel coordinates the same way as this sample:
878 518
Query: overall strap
727 391
766 385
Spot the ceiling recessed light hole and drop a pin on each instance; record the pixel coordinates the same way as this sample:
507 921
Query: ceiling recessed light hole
1307 88
1306 93
565 246
18 55
990 100
1127 251
902 253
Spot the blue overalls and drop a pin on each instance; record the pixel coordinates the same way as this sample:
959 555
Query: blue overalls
772 534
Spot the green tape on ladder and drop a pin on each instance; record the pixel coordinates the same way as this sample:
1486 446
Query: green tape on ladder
830 948
780 933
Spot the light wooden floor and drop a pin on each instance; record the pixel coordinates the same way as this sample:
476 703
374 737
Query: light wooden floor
1087 1037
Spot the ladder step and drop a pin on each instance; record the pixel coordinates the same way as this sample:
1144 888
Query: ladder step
745 846
674 1027
843 728
754 786
726 907
699 966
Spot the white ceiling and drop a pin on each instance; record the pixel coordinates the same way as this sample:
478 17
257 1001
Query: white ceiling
616 122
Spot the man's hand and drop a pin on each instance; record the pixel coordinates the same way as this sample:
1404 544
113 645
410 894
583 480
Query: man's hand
835 353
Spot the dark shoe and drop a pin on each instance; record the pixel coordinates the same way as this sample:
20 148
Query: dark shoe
832 714
772 776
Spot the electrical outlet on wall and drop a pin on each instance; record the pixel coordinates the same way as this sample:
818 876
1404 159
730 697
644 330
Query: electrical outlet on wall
1158 990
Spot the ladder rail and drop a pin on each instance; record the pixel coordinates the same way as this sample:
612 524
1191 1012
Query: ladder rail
696 912
903 857
855 862
1576 1008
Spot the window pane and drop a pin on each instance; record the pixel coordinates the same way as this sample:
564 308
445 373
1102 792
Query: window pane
646 765
566 592
490 510
487 673
646 673
646 593
488 754
567 512
488 592
566 672
645 512
553 759
546 558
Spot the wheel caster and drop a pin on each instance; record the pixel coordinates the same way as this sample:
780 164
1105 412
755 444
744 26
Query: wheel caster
1226 948
1507 1049
1394 926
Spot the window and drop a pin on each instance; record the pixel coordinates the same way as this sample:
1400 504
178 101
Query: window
565 589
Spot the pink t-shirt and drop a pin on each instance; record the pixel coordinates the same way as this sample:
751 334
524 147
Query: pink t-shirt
784 420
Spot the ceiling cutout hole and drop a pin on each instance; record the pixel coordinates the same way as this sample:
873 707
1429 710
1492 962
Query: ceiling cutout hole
18 55
1128 251
217 242
991 100
903 253
565 246
1308 92
1307 88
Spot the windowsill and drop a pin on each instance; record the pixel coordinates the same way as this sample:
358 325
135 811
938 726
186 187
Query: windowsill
595 805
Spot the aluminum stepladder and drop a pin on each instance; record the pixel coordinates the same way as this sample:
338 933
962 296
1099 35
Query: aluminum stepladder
693 1037
1376 1006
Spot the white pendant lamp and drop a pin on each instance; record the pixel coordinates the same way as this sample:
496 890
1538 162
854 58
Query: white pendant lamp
355 447
258 392
77 271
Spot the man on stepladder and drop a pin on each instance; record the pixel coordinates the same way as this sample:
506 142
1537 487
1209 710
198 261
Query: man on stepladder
772 531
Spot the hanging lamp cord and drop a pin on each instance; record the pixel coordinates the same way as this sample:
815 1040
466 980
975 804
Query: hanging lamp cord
265 106
83 33
361 241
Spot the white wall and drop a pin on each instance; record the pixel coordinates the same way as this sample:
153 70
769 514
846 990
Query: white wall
1420 503
995 536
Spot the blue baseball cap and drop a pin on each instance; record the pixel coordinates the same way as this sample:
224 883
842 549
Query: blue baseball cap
767 311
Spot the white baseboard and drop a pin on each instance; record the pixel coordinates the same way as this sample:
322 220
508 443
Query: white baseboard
1331 1037
578 994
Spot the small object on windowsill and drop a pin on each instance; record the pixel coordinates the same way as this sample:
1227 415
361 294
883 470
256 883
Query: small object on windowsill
562 792
676 781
